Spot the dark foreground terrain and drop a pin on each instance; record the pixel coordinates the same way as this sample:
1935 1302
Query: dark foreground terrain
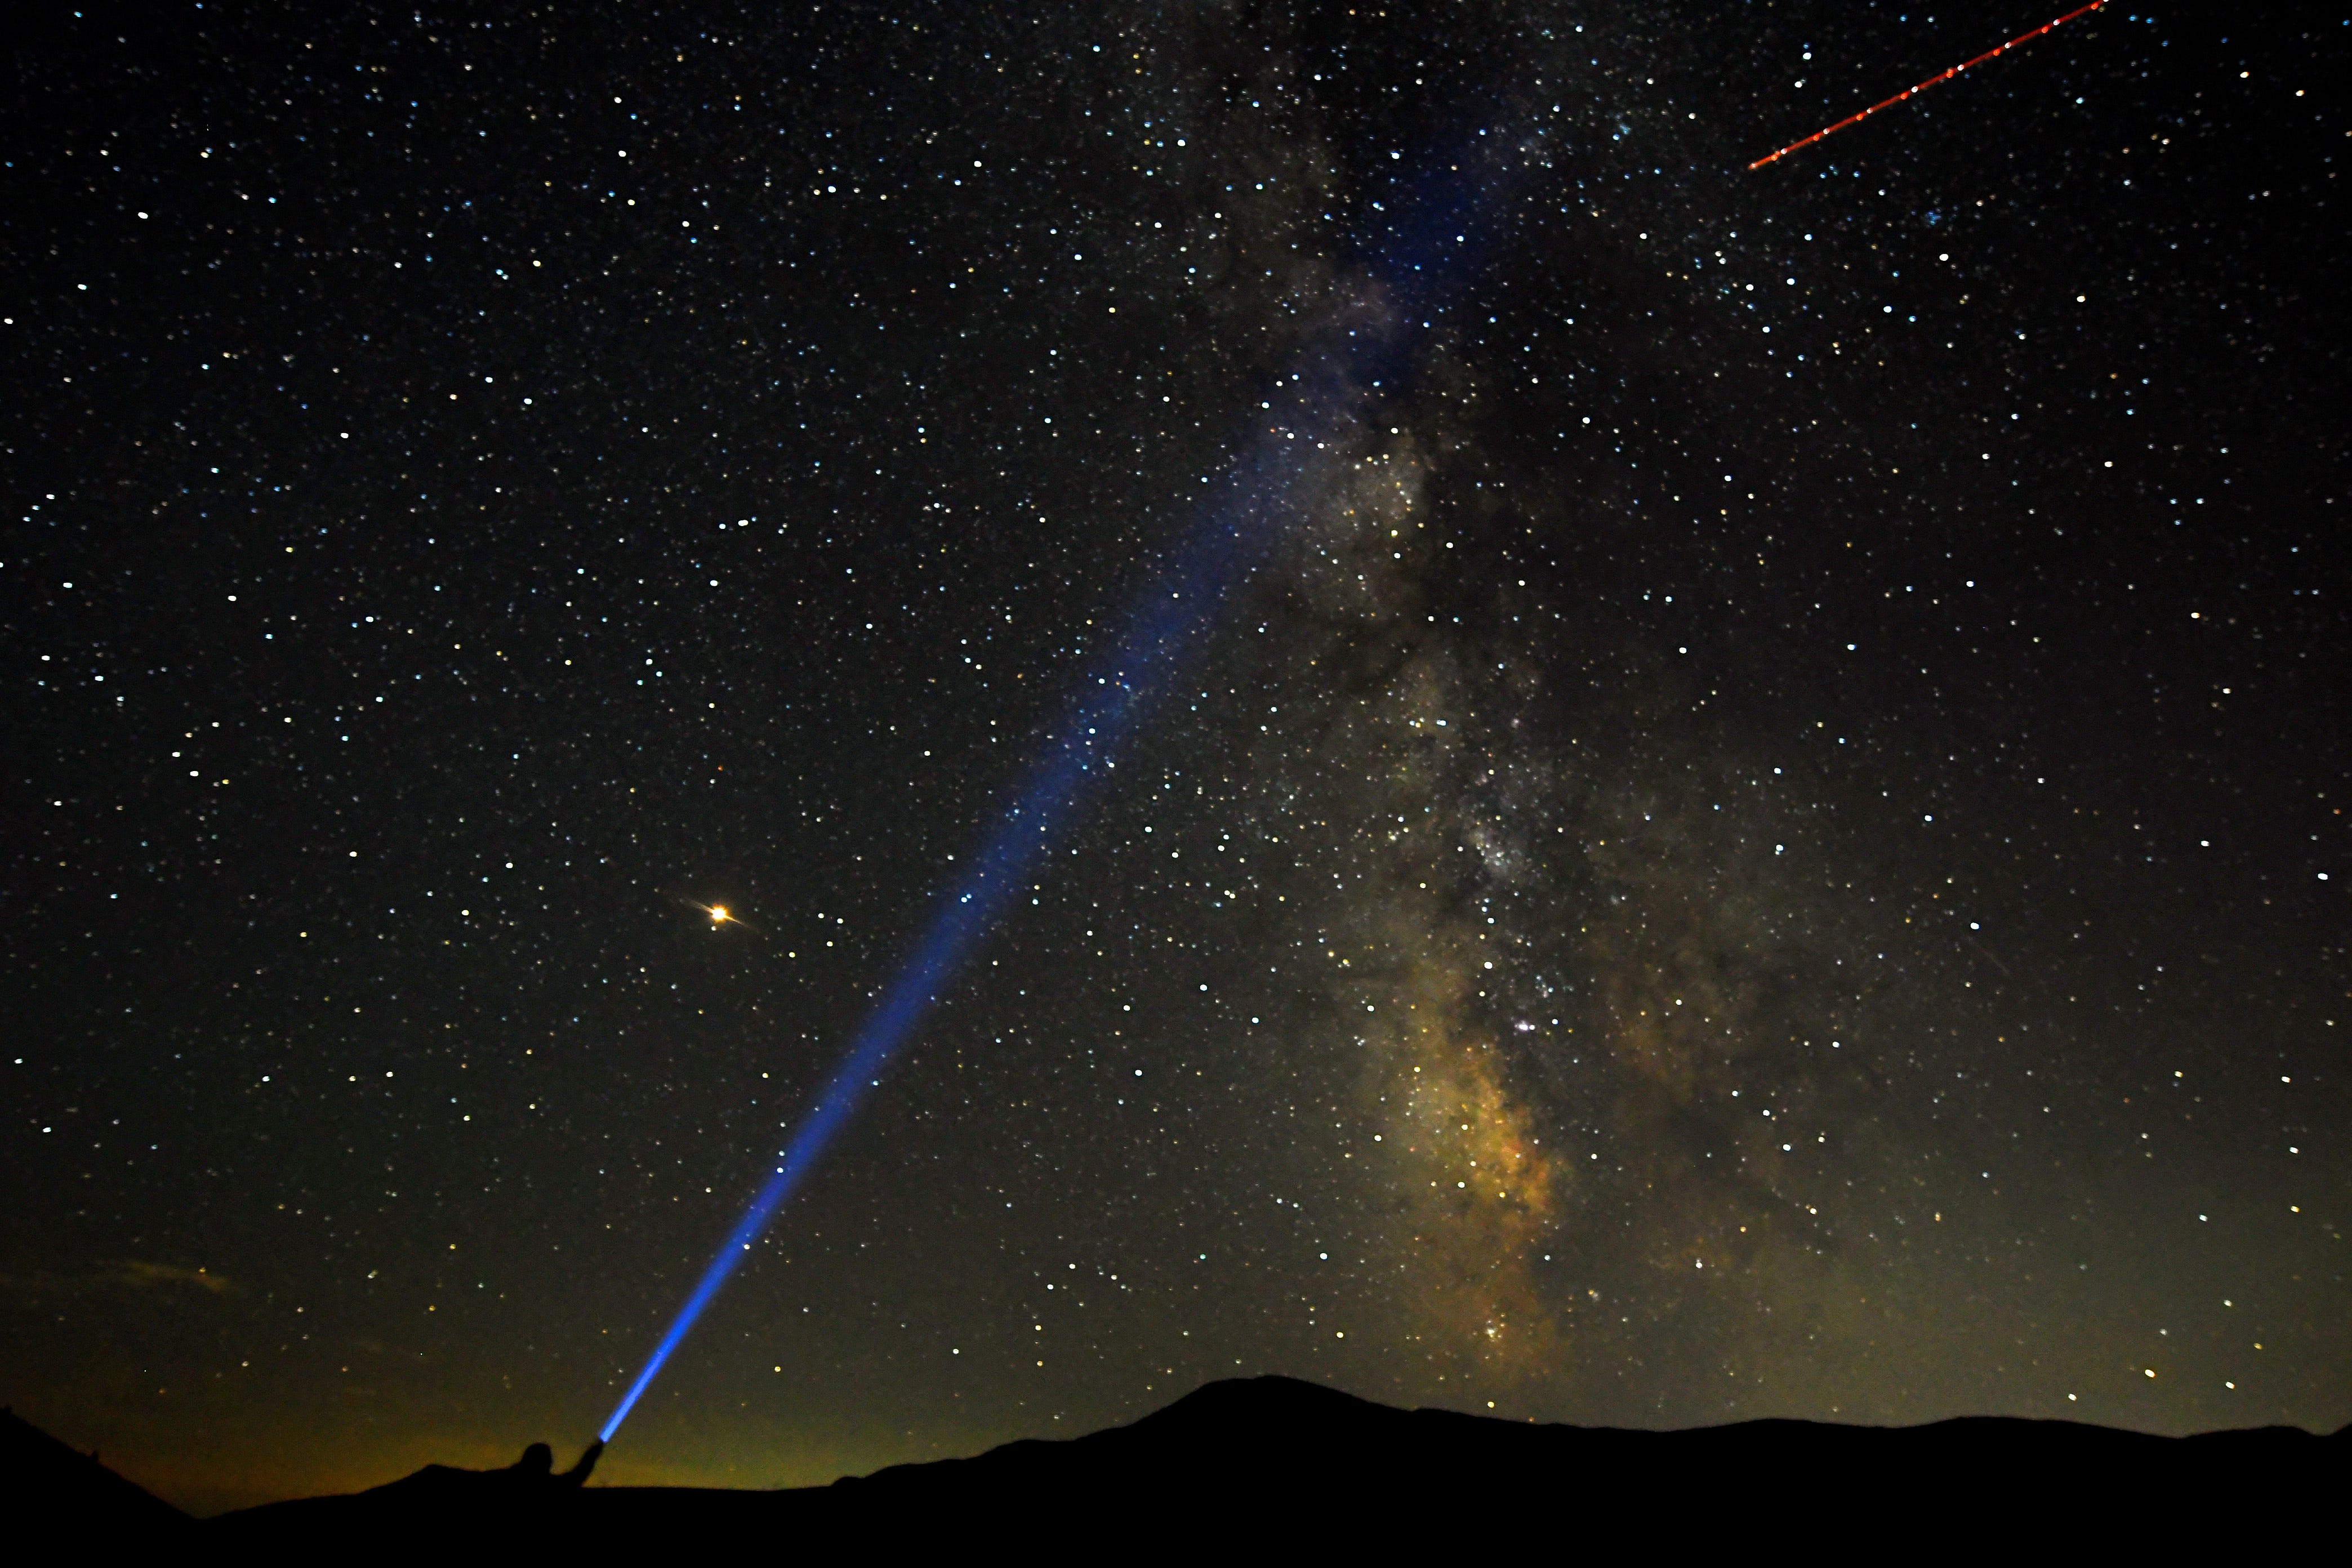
1248 1463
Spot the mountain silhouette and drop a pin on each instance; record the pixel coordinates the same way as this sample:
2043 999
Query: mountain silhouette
44 1481
1262 1459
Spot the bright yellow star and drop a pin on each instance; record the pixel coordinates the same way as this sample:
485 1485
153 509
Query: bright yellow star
721 915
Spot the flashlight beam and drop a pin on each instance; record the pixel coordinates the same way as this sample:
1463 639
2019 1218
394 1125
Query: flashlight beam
1912 91
1176 612
1305 426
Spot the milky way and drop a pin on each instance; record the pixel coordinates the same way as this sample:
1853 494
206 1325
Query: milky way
1758 833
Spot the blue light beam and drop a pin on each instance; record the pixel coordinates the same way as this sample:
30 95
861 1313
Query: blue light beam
1410 264
1178 611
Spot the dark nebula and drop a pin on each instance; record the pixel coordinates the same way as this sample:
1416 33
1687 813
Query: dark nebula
1765 838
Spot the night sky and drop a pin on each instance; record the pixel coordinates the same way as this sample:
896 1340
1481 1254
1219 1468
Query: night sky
1760 831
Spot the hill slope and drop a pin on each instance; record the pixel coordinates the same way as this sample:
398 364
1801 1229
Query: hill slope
1271 1457
42 1480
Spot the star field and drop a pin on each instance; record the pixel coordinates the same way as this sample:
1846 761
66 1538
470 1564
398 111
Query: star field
1764 835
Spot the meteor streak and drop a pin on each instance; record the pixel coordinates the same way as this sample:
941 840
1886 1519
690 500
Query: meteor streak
1941 76
1413 258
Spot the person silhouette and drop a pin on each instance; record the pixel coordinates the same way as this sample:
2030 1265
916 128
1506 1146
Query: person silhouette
577 1476
536 1462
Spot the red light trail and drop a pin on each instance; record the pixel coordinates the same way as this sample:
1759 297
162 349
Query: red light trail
1943 76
